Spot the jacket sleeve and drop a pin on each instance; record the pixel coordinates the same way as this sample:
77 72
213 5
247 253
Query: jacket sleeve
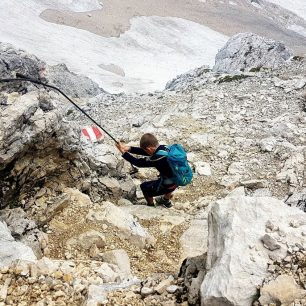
138 151
143 162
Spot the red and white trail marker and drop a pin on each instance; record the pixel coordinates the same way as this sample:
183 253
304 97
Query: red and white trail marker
92 133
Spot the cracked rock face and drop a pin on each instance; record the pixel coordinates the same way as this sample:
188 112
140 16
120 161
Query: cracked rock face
231 279
14 61
74 85
12 250
245 51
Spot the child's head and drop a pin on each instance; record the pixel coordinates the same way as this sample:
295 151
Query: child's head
149 143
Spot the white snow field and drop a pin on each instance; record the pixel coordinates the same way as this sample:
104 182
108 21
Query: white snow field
298 29
73 5
296 6
153 51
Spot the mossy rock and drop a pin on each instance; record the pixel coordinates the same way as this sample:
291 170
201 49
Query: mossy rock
231 78
255 69
298 58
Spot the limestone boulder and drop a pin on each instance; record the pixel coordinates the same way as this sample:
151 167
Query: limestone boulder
103 158
72 84
202 168
14 61
112 186
11 250
126 225
283 290
237 258
46 266
194 239
121 259
25 230
88 239
297 199
166 219
108 273
193 270
245 51
97 294
25 123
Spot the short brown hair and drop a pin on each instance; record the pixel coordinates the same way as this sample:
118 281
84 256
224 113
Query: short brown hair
148 140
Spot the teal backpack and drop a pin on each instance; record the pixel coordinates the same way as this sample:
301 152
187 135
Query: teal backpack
177 160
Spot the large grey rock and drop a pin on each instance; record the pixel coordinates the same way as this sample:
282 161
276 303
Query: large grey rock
72 84
194 239
24 230
167 219
97 295
107 273
236 259
88 239
121 259
297 199
102 158
125 223
289 85
245 51
193 271
11 250
283 290
25 123
14 60
184 81
112 185
293 169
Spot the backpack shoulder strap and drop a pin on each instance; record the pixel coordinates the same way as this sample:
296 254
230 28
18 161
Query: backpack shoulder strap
162 153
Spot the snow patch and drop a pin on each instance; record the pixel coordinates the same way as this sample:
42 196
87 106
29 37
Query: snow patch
296 6
257 5
152 52
298 29
73 5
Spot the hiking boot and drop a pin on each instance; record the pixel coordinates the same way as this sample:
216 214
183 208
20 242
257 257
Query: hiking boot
163 202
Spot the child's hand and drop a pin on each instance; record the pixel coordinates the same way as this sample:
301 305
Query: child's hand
122 148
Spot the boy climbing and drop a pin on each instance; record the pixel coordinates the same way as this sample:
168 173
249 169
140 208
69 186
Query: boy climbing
171 162
164 185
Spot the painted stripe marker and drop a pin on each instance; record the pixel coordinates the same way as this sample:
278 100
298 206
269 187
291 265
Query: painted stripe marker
92 133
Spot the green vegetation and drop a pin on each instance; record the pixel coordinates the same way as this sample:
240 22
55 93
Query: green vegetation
231 78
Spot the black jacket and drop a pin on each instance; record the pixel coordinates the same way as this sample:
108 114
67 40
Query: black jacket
154 161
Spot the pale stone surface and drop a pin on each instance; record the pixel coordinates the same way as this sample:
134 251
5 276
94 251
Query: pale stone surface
283 290
203 168
119 258
11 250
87 239
127 226
194 239
107 273
46 266
96 296
235 223
21 135
112 184
161 287
244 51
166 218
77 86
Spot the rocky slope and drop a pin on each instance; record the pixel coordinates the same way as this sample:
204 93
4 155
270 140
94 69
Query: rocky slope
72 234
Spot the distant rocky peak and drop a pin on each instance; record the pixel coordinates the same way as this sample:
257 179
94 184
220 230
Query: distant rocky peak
246 51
